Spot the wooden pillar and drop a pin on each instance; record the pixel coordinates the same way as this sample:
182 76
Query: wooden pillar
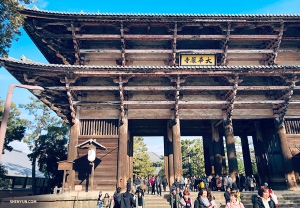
72 151
171 153
130 154
122 154
246 155
287 157
166 158
207 159
216 144
260 153
177 149
231 152
224 166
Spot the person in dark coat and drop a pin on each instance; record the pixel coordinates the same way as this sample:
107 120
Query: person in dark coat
227 195
242 182
263 197
128 184
127 200
237 181
117 198
164 183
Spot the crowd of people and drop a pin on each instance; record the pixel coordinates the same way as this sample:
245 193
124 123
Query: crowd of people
180 193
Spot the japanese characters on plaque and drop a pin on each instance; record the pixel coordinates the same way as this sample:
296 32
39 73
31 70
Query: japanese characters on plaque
197 59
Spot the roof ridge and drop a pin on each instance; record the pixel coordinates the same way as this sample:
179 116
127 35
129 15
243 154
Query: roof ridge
159 14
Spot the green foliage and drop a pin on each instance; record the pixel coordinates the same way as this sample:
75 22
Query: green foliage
192 157
142 165
48 139
10 22
15 125
3 182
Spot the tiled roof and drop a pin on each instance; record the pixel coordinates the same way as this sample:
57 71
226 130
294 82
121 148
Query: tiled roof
18 164
124 68
159 14
153 157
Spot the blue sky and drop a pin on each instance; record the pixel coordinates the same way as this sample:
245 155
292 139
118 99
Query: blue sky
26 47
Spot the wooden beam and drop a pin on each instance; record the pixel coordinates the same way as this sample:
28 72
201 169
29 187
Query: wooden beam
165 37
170 88
208 51
181 102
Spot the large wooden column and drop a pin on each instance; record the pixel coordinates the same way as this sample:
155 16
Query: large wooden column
261 156
246 155
166 157
177 149
207 156
170 153
216 149
72 151
231 152
122 154
224 166
287 156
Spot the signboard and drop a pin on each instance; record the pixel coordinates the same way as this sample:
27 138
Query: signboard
65 165
197 59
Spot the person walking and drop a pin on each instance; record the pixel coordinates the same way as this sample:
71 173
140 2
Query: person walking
158 183
202 200
234 203
252 183
227 195
99 200
186 201
117 198
211 199
140 200
181 182
152 184
164 182
106 201
263 200
242 182
174 198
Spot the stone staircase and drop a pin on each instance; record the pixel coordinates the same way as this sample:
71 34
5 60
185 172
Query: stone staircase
287 199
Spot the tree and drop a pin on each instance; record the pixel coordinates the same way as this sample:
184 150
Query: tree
141 161
51 148
48 139
15 132
10 22
192 157
15 126
3 183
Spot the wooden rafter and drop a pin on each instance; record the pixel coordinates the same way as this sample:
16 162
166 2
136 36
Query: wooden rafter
122 45
76 45
281 109
174 45
70 97
58 54
270 58
224 45
122 107
55 109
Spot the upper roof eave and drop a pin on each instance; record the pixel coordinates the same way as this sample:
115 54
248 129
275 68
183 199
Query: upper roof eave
216 17
17 62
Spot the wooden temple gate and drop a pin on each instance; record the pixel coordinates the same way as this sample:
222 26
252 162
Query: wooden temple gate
115 76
